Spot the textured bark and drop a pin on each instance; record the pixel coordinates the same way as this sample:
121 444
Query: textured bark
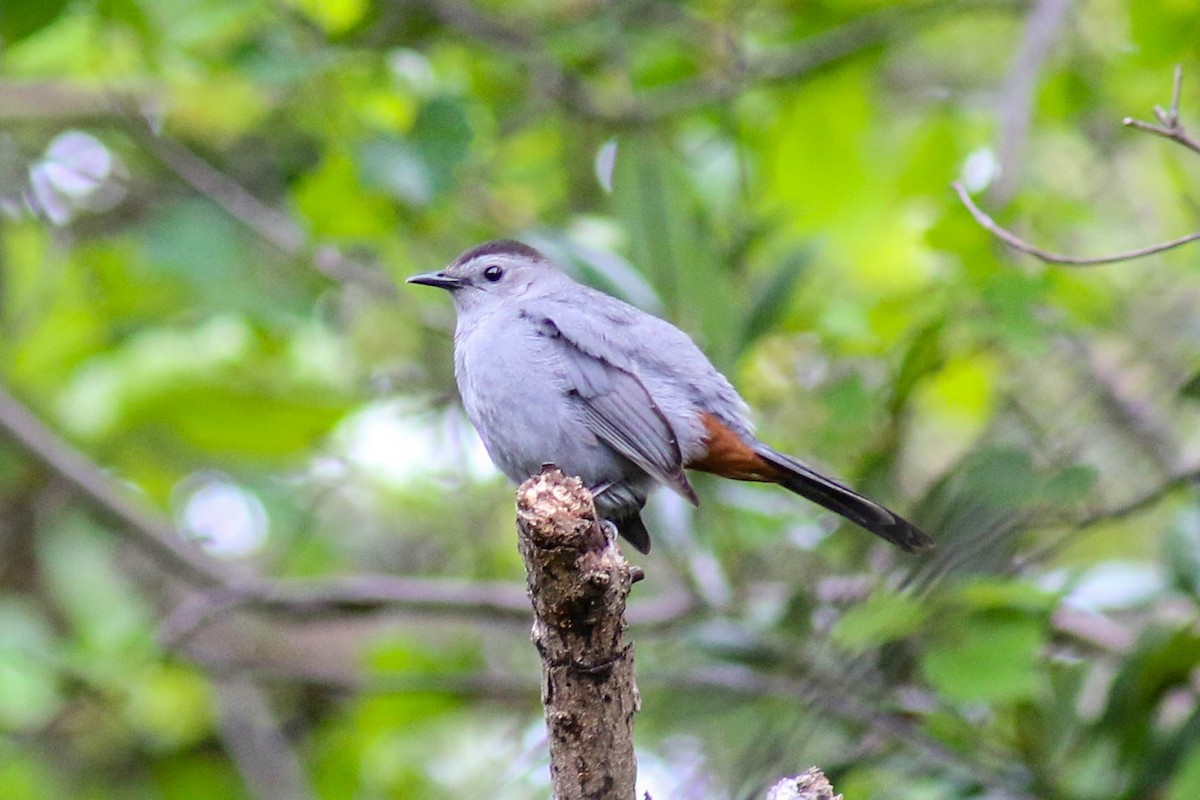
578 584
811 785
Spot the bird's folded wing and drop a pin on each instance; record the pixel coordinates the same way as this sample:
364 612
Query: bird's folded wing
619 410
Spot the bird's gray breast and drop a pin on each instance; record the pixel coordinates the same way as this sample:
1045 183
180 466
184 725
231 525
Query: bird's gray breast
516 394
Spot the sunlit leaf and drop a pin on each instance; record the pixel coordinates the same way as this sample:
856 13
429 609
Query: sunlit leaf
336 204
1185 785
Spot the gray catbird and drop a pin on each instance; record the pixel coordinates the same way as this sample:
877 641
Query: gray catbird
551 371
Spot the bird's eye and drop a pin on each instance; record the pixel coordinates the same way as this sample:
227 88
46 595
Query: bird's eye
493 273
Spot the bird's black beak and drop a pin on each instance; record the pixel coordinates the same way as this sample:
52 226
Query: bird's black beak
439 279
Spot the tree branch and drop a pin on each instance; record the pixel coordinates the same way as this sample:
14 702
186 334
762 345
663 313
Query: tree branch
274 227
1170 128
227 589
578 584
569 89
1113 514
1042 25
68 102
148 530
809 785
365 594
1017 243
361 594
254 739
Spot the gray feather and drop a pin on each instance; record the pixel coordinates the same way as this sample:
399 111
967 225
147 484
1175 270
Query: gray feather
619 410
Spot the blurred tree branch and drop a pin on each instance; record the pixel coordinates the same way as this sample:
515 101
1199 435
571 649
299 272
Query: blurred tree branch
653 105
133 516
226 588
67 102
1134 506
1169 127
254 738
1041 31
274 227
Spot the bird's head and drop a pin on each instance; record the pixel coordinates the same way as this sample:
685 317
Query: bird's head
491 273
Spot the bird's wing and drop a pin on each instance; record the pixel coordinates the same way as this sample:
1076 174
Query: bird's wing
617 407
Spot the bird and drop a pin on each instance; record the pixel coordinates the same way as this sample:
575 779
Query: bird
551 371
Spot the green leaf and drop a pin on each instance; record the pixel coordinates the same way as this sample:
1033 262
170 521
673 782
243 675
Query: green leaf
395 166
883 617
130 13
29 691
338 204
771 299
1001 476
1068 486
669 242
22 18
990 594
1186 783
23 776
169 707
423 165
1162 660
442 135
1181 550
107 620
993 658
240 420
200 247
1191 389
923 356
335 16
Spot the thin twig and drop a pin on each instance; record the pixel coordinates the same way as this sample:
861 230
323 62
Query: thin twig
1017 243
1139 503
365 594
1169 126
1112 514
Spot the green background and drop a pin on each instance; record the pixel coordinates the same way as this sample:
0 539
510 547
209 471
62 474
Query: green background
207 206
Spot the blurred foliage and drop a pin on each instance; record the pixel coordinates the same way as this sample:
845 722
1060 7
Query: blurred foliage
772 177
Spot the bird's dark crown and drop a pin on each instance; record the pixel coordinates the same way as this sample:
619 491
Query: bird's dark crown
498 247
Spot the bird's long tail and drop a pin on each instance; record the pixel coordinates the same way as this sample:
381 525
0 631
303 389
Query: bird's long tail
806 482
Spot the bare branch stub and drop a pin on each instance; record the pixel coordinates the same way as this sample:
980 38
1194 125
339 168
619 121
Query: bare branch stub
578 584
809 785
